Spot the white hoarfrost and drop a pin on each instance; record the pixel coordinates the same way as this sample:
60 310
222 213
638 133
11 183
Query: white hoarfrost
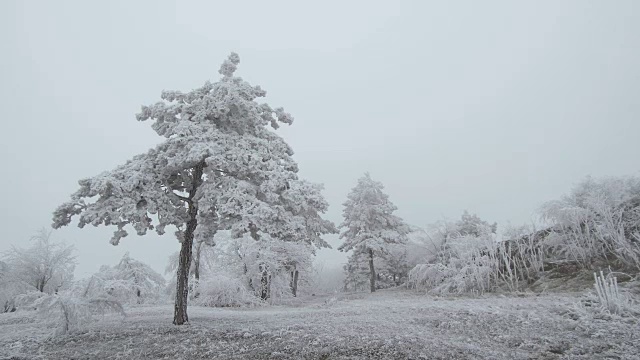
130 281
219 167
384 325
598 222
468 257
45 266
67 312
369 224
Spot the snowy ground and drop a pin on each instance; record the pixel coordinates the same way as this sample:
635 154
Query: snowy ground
385 325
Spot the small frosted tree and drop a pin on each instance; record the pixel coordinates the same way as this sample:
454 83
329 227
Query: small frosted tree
471 224
369 224
47 266
129 281
10 287
219 168
396 263
283 261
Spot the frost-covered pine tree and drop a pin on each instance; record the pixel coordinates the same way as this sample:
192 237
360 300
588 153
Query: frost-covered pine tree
471 224
369 224
219 167
357 272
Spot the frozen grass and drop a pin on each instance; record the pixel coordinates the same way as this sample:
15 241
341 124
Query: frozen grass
386 325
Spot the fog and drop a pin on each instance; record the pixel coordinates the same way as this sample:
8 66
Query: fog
493 107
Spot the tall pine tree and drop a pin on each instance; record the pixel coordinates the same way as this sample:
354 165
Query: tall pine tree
220 167
369 224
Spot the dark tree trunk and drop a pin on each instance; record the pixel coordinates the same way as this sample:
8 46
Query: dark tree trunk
182 278
196 259
265 278
264 283
250 280
244 268
372 271
41 284
196 268
294 282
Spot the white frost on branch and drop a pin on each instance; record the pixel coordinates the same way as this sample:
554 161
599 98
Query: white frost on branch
46 266
249 183
369 222
129 281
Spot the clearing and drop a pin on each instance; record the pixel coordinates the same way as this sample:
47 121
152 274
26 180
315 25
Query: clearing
395 324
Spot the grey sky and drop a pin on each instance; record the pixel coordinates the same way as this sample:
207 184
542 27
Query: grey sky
492 106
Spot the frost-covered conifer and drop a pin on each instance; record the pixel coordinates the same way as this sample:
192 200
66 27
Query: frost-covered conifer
471 224
357 272
219 167
369 224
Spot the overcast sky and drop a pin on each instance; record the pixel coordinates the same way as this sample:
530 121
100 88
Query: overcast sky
490 106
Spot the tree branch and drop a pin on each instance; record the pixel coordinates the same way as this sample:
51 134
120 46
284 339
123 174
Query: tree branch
170 191
185 199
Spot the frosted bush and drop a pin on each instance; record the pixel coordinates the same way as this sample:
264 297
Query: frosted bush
478 263
224 291
609 296
429 276
130 281
599 221
10 287
466 264
280 291
457 277
66 312
27 300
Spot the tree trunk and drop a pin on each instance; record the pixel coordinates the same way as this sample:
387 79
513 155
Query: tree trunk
250 280
294 282
265 278
196 259
196 268
182 277
264 283
372 271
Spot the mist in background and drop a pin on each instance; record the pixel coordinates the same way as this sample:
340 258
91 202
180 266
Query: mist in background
494 107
